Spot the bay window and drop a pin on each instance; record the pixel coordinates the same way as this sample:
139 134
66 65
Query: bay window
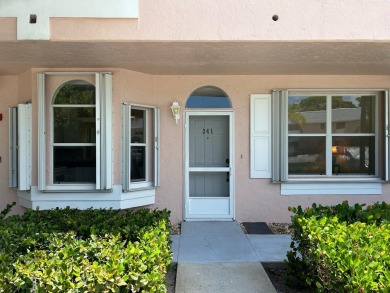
74 142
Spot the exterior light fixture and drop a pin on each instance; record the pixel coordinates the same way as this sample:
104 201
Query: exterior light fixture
175 110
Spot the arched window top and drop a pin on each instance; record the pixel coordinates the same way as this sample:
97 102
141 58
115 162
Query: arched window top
75 92
208 97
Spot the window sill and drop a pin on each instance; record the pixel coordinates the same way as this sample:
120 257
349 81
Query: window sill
73 188
137 186
114 199
334 179
139 189
332 187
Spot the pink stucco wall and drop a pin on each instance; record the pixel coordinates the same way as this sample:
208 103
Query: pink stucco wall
255 199
230 20
237 20
128 87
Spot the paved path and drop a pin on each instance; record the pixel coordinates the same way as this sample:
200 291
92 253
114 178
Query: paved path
219 257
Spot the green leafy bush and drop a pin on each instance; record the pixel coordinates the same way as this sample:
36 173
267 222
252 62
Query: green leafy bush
71 250
341 248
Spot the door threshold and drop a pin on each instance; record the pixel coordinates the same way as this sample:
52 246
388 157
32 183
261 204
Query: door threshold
209 220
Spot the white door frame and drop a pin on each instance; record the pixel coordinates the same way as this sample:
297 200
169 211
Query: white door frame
231 215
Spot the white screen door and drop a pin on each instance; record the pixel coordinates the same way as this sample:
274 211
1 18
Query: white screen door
209 166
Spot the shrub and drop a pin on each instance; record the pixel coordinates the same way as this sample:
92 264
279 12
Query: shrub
85 251
341 248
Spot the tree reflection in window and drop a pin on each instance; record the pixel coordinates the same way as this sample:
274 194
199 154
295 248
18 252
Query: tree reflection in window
346 122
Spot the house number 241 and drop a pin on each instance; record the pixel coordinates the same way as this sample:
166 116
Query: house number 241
207 131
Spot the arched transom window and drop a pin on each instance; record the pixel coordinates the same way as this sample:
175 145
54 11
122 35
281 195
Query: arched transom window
208 97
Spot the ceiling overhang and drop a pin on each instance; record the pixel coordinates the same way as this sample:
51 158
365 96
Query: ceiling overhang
201 58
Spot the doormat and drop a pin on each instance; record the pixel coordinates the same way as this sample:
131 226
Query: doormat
257 228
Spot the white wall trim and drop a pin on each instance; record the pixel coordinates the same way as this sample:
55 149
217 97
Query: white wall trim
333 188
44 10
82 200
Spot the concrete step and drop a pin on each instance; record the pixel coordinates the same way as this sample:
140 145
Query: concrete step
222 277
218 257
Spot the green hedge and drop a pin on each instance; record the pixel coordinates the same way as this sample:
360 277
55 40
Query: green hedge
341 248
71 250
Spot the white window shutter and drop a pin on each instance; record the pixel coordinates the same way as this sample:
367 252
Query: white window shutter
260 136
13 147
20 147
104 131
279 136
24 146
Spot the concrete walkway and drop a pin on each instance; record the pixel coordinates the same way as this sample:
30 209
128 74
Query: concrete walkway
219 257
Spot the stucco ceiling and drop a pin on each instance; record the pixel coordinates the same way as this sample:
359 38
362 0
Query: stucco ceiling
199 58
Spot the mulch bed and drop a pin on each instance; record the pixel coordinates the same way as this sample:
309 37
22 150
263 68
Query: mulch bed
277 273
280 228
170 278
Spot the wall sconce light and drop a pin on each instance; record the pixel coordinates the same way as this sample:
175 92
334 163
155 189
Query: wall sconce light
175 110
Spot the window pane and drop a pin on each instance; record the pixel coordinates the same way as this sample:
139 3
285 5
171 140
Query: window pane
138 172
74 125
209 184
77 92
137 126
353 155
208 102
353 114
74 164
306 114
306 155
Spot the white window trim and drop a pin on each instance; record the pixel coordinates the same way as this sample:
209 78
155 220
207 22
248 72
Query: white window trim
103 84
127 185
20 138
331 184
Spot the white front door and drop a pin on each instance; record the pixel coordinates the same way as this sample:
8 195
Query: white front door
209 166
